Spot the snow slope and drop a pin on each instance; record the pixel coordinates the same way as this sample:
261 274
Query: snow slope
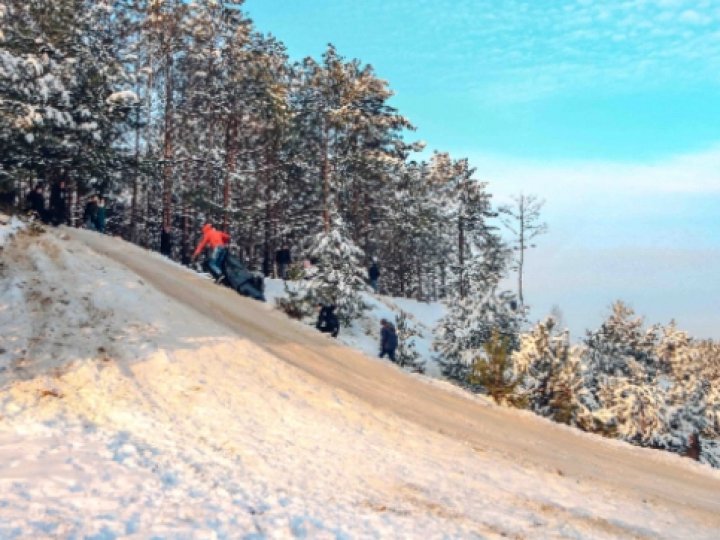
364 333
126 412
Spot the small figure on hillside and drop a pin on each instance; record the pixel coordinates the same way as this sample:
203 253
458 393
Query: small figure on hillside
58 204
7 198
694 449
36 202
90 213
388 339
283 260
166 241
266 264
374 275
100 215
328 322
218 242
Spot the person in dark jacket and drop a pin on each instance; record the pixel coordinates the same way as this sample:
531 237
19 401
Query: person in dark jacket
58 204
90 213
328 322
266 264
166 241
388 339
36 202
101 215
283 260
374 275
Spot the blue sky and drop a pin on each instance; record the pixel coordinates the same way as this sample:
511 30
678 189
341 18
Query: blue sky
609 110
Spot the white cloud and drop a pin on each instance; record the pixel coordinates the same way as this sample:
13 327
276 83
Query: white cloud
643 233
695 173
693 17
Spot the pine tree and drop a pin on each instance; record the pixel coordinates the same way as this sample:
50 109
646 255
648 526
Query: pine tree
338 279
474 316
620 342
65 93
406 354
551 374
492 371
632 410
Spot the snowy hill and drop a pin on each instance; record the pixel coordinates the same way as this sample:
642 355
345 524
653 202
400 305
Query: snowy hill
139 400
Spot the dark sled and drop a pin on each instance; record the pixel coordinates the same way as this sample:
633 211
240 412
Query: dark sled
240 279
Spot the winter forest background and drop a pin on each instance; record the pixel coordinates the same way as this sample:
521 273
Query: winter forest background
179 112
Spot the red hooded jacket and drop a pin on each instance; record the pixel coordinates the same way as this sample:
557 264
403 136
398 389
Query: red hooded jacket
211 237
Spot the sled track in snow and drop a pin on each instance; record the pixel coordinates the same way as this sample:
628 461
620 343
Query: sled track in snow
646 475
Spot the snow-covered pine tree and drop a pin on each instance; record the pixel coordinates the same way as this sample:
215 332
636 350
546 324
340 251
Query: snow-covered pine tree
652 387
693 396
620 342
407 240
338 277
620 370
550 372
631 409
406 354
64 90
352 138
477 311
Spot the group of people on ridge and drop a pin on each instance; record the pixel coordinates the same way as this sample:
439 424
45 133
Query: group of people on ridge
94 214
94 218
56 214
327 321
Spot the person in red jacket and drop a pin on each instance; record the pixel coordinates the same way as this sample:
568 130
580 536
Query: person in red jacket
218 242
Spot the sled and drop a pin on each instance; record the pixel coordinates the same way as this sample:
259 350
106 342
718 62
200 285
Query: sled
237 277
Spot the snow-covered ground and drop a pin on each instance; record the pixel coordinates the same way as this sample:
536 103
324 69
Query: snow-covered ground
127 414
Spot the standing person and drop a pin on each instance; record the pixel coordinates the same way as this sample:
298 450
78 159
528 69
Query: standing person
374 275
36 202
218 242
166 241
58 204
266 264
388 339
100 216
283 260
90 213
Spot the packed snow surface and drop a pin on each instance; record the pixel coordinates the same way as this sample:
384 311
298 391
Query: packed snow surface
127 412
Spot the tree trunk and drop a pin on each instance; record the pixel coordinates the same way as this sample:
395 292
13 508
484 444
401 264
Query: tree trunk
461 256
521 258
418 271
168 142
230 166
326 182
134 196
